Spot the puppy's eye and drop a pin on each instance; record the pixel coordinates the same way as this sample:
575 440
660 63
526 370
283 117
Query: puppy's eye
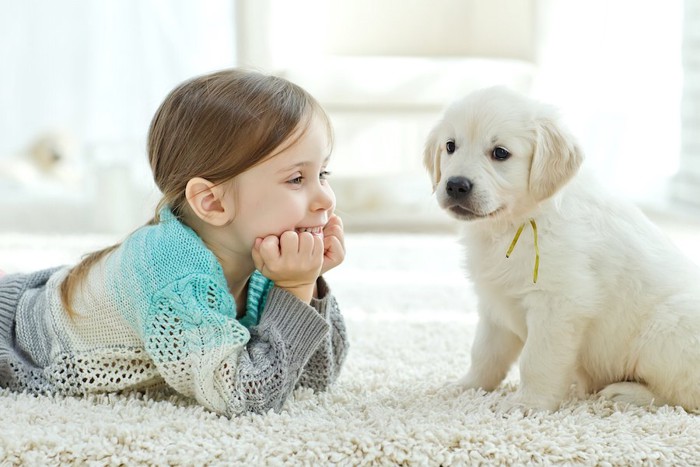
450 147
500 153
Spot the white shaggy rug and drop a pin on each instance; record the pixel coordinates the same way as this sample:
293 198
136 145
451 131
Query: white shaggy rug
410 315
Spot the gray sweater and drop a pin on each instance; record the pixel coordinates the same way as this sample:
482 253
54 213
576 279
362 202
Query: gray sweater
153 316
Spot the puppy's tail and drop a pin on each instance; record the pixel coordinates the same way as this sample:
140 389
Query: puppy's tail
632 393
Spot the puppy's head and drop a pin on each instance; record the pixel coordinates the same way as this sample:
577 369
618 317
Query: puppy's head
497 152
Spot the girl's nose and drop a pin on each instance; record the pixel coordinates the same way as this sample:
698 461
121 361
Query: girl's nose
324 199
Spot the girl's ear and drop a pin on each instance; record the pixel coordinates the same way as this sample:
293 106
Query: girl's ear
208 202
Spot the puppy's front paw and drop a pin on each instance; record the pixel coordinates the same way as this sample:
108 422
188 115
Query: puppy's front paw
451 389
472 381
525 402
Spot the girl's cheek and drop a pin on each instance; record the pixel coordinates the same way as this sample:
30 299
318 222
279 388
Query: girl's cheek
331 193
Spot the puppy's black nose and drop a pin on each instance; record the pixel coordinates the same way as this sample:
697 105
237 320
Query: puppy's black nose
458 187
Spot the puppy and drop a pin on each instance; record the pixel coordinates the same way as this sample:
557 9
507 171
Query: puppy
578 284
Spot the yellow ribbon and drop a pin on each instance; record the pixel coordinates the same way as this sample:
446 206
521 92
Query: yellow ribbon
537 248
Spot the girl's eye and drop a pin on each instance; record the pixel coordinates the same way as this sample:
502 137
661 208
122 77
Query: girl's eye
450 147
500 153
298 180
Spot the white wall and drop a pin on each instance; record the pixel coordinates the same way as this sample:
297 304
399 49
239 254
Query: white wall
384 70
614 68
687 183
99 69
93 73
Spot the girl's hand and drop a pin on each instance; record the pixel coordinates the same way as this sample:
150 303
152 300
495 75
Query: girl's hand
333 244
292 260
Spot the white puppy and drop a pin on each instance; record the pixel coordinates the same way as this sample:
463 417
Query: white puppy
592 292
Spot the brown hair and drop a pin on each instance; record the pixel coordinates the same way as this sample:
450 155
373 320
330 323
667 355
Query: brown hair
214 126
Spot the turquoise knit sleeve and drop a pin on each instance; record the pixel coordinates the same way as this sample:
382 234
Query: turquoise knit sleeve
190 332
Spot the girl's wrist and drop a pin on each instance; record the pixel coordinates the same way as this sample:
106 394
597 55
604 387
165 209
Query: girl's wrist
303 292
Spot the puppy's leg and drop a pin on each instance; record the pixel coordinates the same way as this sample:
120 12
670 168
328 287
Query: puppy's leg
583 383
548 361
494 350
669 355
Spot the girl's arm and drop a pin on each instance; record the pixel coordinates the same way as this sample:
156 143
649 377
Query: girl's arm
204 352
324 366
280 347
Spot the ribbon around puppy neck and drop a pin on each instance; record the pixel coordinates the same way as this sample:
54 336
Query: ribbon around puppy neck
537 248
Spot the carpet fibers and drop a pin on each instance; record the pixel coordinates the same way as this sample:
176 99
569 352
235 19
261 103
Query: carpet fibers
411 320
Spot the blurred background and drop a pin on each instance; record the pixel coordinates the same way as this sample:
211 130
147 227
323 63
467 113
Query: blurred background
81 80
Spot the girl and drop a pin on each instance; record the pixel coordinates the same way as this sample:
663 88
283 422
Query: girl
220 296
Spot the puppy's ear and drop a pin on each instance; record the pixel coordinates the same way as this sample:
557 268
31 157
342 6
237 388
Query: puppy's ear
556 158
431 157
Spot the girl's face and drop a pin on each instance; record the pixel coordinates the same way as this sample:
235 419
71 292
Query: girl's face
288 191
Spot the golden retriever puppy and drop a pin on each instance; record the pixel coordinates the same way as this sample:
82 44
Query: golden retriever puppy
578 284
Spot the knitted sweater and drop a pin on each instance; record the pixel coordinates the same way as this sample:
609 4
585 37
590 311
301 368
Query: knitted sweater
158 310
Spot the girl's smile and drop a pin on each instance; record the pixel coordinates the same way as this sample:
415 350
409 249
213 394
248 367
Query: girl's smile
314 230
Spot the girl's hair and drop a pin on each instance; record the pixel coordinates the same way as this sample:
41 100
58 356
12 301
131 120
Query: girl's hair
214 126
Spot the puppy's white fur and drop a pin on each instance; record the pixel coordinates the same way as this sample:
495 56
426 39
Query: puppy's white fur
616 307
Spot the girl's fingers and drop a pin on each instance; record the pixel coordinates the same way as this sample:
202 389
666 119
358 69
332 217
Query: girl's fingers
333 222
270 248
258 242
306 244
334 228
292 257
318 246
334 249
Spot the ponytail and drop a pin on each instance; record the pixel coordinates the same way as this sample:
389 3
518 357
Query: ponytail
76 276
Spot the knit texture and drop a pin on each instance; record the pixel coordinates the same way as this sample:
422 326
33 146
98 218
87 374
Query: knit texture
157 311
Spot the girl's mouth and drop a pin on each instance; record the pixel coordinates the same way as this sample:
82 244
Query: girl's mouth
313 230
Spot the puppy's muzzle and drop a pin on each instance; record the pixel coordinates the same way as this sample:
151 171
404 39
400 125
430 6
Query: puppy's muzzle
458 188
